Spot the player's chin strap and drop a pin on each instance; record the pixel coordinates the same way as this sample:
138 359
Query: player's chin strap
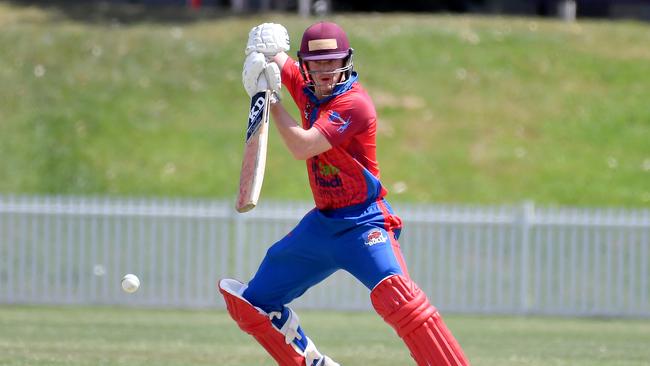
278 332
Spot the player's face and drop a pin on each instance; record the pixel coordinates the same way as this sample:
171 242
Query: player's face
324 75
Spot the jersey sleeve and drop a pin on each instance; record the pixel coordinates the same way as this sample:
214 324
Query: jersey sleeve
291 78
343 121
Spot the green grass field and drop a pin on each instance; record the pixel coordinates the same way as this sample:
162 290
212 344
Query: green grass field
471 109
75 336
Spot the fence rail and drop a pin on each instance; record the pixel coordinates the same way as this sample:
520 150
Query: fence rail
473 259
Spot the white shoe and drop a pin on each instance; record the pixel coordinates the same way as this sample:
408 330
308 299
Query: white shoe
326 361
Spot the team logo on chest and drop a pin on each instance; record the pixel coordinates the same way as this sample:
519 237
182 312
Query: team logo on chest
307 111
375 236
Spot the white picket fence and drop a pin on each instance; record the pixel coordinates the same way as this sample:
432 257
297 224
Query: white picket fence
469 259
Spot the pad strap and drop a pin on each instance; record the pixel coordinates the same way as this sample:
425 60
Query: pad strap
401 303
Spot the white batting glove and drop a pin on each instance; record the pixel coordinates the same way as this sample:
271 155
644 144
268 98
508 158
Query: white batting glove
268 38
259 75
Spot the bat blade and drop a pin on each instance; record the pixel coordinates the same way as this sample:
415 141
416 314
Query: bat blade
254 159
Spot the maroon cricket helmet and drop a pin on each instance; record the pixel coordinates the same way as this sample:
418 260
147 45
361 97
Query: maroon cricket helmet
324 41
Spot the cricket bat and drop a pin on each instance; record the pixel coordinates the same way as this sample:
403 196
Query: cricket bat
254 160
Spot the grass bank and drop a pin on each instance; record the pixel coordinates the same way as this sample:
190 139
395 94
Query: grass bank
471 109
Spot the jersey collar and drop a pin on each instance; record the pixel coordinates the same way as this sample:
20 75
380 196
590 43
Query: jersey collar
338 90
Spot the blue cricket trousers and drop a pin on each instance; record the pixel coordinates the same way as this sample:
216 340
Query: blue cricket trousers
361 240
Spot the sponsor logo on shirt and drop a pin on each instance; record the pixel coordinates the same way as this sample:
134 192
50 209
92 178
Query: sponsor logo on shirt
375 236
327 170
336 119
326 175
334 182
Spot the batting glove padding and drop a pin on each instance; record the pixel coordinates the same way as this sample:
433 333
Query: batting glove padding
269 39
259 75
406 308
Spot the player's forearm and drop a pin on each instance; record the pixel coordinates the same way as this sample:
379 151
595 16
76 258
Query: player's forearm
291 133
302 143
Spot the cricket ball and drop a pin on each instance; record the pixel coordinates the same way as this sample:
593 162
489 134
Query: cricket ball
130 283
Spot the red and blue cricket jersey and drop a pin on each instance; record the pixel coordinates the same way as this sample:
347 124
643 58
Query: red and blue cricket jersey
353 228
347 174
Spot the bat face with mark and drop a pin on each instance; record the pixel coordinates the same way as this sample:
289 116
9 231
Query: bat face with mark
254 160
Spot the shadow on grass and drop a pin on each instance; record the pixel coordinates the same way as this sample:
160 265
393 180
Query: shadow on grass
129 11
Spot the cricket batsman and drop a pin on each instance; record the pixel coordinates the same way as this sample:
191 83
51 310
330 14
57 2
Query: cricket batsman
352 227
